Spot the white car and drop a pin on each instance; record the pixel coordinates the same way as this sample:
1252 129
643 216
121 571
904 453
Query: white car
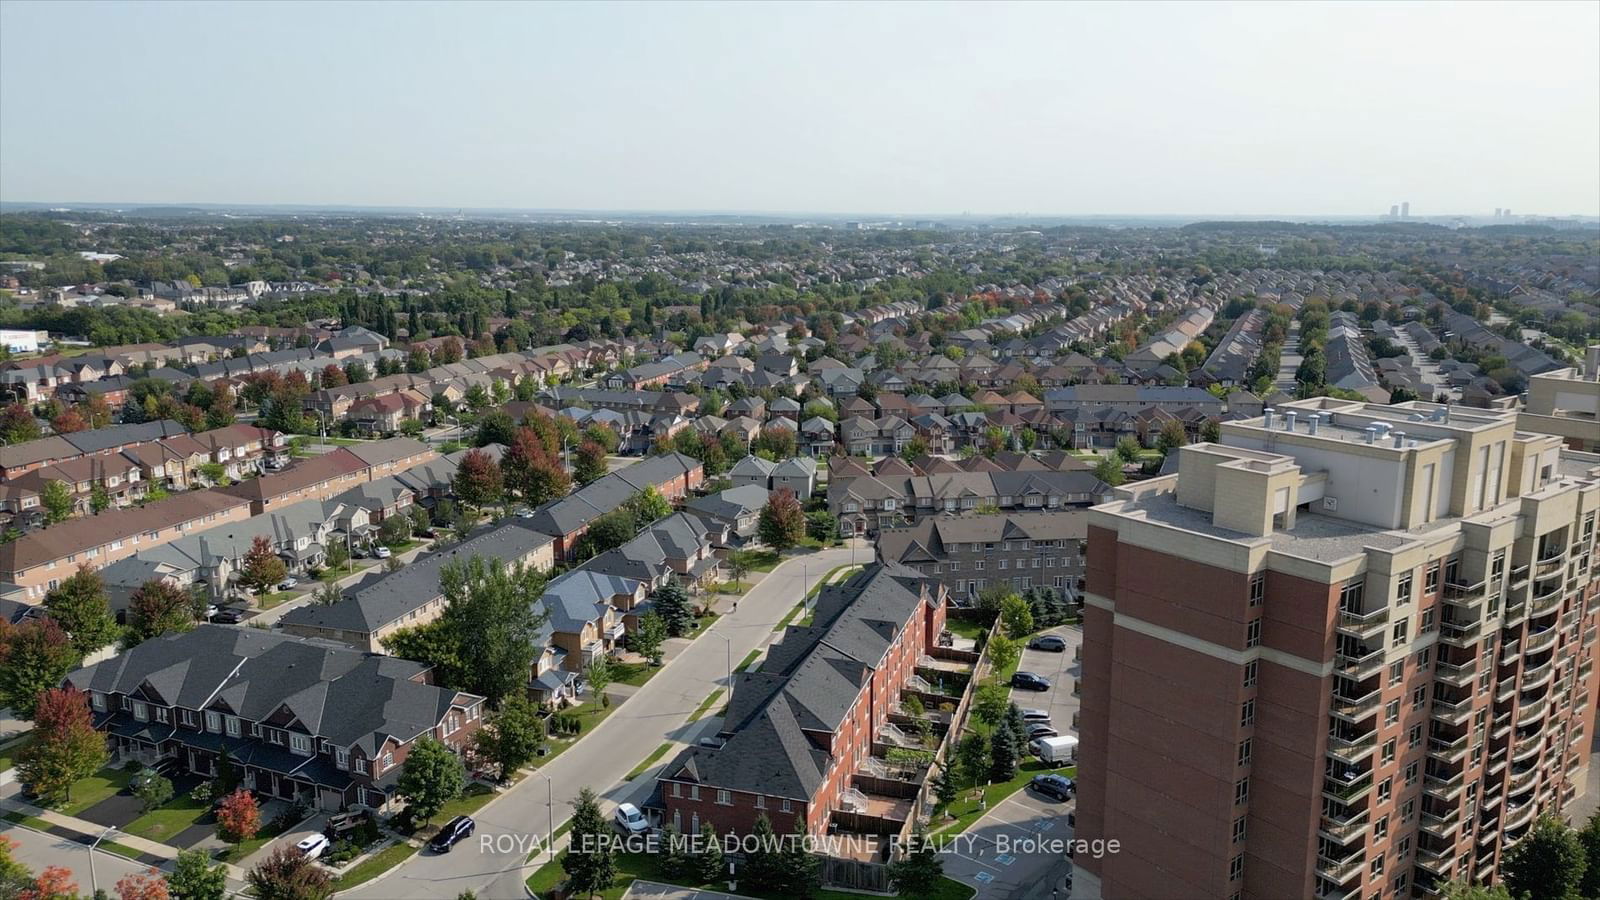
289 584
630 820
524 513
383 553
312 846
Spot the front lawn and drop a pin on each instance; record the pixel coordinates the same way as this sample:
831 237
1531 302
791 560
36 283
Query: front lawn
470 801
235 852
91 790
965 628
8 751
968 809
268 601
756 560
161 823
379 863
635 674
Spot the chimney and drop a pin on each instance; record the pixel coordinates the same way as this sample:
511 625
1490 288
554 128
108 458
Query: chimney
1311 423
1591 365
1267 421
1288 420
1371 433
1399 439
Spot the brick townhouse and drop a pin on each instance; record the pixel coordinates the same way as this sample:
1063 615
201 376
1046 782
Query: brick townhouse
799 729
672 474
302 720
967 554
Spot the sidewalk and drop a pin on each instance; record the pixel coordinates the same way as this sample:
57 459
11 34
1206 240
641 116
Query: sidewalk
67 826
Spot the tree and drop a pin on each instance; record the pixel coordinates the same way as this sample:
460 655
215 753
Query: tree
821 525
14 876
68 422
1015 617
972 757
598 675
590 463
1460 890
495 427
495 614
155 608
646 640
80 605
478 481
711 865
238 817
763 859
1003 754
64 747
54 883
590 863
333 376
395 530
989 704
673 605
1017 725
99 499
648 506
153 791
918 873
435 644
676 860
214 472
1589 837
289 875
802 871
17 424
612 529
1547 864
34 657
531 471
327 594
1109 470
147 885
58 502
783 521
194 878
262 568
338 555
1172 436
513 738
1004 652
944 787
431 776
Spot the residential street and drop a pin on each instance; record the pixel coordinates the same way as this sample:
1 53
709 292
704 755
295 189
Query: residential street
656 713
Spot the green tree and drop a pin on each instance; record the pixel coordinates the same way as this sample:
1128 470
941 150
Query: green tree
435 644
918 873
972 758
431 776
611 530
1460 890
945 788
1015 617
598 675
58 502
763 859
648 506
1003 754
17 424
395 530
1171 437
673 605
34 657
676 859
288 875
1547 864
822 525
590 864
157 607
64 746
711 864
214 472
513 737
80 605
1004 652
99 499
194 878
1128 449
153 791
1589 838
989 704
802 870
338 555
494 613
783 522
1109 470
646 640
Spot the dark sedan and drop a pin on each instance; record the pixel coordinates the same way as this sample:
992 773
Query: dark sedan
453 831
1028 681
1058 786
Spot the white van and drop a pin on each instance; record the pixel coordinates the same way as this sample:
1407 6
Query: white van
1055 751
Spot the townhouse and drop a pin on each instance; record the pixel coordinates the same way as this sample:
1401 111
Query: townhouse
969 553
566 519
19 459
302 720
867 503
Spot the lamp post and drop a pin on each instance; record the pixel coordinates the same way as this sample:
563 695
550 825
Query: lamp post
728 645
94 885
550 814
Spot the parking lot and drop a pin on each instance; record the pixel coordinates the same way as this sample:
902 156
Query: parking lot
1013 851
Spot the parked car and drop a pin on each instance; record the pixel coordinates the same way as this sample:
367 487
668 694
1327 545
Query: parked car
311 846
382 552
231 615
165 768
289 584
1058 786
1051 643
524 513
211 611
1028 681
630 820
1041 729
452 832
1035 715
428 532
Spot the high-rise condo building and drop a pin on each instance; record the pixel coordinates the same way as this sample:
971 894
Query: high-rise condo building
1345 652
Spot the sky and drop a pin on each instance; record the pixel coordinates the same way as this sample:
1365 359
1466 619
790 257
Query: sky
895 108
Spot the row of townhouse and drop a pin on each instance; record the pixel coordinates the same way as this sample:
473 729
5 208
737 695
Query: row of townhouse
866 504
967 554
128 475
19 459
673 475
798 475
302 720
804 733
321 477
677 370
451 380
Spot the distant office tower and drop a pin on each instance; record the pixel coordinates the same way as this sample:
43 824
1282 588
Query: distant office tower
1508 213
1405 210
1394 211
1497 212
1346 652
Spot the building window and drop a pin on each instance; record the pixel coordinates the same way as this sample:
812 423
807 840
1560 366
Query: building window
1238 829
1252 634
361 765
1250 673
1385 790
1380 828
233 726
1427 622
98 701
299 743
784 805
1398 634
724 798
1397 672
694 792
1415 738
1247 713
1241 790
1432 584
162 715
1411 778
213 721
761 801
341 758
1402 590
1391 712
1424 658
677 789
1244 752
1388 751
1258 588
1236 868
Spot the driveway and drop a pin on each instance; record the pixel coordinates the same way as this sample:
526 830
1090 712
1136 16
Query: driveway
657 713
1062 672
1017 850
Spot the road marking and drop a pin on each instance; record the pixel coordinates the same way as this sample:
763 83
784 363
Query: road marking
984 877
1005 859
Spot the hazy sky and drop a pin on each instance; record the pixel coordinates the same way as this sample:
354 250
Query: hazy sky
1186 108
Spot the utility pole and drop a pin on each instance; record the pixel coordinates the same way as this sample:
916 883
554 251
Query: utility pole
550 814
94 884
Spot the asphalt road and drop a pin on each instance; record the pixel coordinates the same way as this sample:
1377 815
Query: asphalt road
657 713
37 850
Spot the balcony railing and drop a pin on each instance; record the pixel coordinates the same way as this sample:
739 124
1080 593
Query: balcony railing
1446 788
1347 788
1497 761
1509 652
1504 690
1352 749
1518 816
1356 707
1539 640
1528 745
1532 710
1454 673
1460 634
1449 751
1516 611
1519 576
1340 871
1521 781
1342 828
1540 674
1553 559
1452 712
1442 827
1545 599
1362 625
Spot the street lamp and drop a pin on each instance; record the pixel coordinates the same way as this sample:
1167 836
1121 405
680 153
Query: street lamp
94 885
550 813
728 644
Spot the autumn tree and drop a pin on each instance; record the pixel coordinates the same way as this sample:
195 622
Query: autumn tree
531 471
96 411
54 883
238 817
590 463
478 481
146 885
783 521
64 747
35 656
288 875
81 606
68 421
262 567
17 424
157 607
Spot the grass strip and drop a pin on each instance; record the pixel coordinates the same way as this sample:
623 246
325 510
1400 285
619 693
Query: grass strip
649 761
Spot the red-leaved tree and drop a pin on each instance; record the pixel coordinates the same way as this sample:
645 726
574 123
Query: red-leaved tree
54 883
149 885
69 421
238 818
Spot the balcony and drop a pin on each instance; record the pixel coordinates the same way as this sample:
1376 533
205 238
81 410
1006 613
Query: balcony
1505 689
1352 750
1435 861
1354 709
1358 667
1550 563
1442 827
1520 782
1362 626
1526 746
1343 828
1519 576
1520 815
1510 651
1341 872
1448 751
1516 611
1539 640
1545 598
1335 892
1458 634
1453 713
1538 675
1347 788
1497 761
1466 596
1445 789
1456 674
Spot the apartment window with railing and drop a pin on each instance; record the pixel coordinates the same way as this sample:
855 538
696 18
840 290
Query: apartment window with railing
1388 751
1380 828
1244 752
1350 596
1247 713
1391 712
1397 672
1398 633
1252 634
1427 622
1432 583
1402 590
1258 588
1238 829
1241 790
1250 673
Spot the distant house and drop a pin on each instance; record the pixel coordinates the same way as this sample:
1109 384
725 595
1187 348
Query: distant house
738 508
